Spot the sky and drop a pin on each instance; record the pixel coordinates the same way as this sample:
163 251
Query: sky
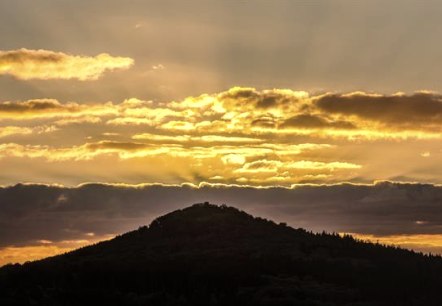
228 101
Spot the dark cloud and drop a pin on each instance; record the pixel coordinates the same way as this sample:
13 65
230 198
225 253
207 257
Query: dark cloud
30 106
312 121
115 145
241 93
265 121
24 55
394 109
261 99
273 100
37 212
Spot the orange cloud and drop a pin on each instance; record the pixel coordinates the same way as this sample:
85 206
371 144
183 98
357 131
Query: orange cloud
45 248
30 253
427 243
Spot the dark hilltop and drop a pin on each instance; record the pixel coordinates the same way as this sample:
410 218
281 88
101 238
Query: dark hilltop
218 255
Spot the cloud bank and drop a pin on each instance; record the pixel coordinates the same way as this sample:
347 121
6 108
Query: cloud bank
40 64
238 136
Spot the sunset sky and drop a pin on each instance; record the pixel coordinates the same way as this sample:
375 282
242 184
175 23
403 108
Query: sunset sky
322 114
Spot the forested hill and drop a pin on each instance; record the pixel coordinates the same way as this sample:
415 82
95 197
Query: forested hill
218 255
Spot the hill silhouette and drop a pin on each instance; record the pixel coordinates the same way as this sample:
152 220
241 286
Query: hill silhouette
218 255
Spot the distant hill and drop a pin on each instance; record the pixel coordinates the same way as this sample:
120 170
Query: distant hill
218 255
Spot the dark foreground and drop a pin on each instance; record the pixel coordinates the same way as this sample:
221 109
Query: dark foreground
210 255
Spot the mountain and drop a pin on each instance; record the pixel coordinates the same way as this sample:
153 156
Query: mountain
218 255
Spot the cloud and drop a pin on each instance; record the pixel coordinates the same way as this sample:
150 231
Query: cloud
129 150
51 108
88 151
398 109
18 130
14 130
221 135
37 106
233 159
266 99
281 172
113 145
28 64
175 162
316 122
158 67
43 215
355 115
212 139
274 165
79 120
248 112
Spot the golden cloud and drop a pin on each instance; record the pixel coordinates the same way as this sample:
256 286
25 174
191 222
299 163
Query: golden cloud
14 130
18 130
202 139
28 64
249 113
231 160
283 172
129 150
285 112
241 135
51 108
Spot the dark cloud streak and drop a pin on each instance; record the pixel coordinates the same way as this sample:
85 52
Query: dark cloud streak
393 109
312 121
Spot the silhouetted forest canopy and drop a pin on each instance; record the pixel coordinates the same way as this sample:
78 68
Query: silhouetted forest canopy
218 255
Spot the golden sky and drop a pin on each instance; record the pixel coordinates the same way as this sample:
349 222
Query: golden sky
266 95
238 136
